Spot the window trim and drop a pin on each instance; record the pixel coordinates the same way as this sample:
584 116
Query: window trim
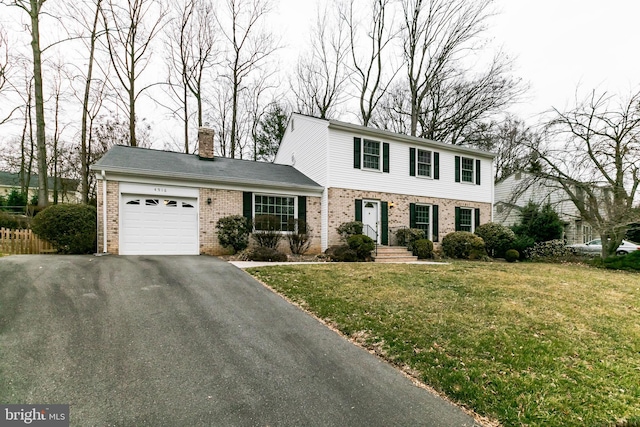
429 229
379 155
430 164
253 207
473 170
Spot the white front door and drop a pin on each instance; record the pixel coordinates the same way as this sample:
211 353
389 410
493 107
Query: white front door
370 219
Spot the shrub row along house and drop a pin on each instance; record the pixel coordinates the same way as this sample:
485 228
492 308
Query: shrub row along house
326 172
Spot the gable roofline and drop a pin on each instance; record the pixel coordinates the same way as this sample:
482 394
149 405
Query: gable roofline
388 135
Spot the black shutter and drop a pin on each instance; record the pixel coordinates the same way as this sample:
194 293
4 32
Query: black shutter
457 219
412 215
434 223
436 165
457 168
477 218
385 157
357 146
358 210
412 161
384 219
247 205
477 172
302 208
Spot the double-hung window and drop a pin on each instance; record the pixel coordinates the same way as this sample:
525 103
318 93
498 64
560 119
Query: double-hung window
467 170
423 162
423 216
371 154
273 211
466 220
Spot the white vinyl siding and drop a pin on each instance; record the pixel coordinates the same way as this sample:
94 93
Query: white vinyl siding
342 174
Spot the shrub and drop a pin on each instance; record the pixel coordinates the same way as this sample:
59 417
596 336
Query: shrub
551 250
463 245
299 236
512 255
362 245
348 229
541 223
423 248
267 233
522 244
262 253
342 253
13 222
16 200
497 238
630 262
407 236
233 232
71 229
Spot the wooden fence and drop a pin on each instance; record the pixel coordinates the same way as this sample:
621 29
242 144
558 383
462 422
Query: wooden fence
23 242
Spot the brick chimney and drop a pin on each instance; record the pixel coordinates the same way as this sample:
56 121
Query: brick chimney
205 143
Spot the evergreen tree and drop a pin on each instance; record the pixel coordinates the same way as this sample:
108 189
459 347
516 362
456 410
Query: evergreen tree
270 132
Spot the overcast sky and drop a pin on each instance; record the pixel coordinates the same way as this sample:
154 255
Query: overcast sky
558 45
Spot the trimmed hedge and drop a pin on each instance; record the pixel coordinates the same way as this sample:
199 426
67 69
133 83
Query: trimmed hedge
71 229
512 255
362 245
463 245
497 238
341 253
423 248
348 229
263 253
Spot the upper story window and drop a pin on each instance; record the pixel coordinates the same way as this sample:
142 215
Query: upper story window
424 163
371 154
467 170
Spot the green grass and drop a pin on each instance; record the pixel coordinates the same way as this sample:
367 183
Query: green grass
527 344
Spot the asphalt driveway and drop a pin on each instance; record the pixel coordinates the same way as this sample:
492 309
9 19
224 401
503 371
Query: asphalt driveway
186 341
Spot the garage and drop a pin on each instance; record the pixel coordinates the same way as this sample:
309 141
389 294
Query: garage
158 224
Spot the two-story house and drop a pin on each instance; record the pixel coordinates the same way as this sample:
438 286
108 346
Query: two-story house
389 181
326 172
518 189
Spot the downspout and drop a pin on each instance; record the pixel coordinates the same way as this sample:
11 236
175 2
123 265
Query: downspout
104 212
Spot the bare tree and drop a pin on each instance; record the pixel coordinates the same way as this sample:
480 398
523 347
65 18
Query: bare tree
592 155
445 99
250 46
33 8
131 26
320 78
6 63
511 139
369 69
191 50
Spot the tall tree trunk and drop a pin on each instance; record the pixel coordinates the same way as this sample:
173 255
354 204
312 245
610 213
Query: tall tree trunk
186 118
43 193
84 152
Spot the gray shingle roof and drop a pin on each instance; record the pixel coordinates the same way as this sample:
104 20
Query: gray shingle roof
148 162
13 180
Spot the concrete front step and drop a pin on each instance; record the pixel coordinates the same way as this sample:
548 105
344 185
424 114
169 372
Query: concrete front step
394 254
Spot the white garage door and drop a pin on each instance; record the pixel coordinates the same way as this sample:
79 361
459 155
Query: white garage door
158 225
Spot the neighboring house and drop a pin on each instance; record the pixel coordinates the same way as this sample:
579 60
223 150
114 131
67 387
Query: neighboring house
67 188
160 202
326 172
517 190
389 181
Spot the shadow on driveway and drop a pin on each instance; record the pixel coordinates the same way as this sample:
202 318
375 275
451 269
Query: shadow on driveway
186 341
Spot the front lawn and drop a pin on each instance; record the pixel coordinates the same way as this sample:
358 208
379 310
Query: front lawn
527 344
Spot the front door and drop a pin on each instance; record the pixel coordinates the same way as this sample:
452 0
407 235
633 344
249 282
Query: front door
370 219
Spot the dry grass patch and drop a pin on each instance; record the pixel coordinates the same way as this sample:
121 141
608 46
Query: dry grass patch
527 344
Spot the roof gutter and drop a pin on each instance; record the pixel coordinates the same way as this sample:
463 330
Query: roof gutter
195 177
